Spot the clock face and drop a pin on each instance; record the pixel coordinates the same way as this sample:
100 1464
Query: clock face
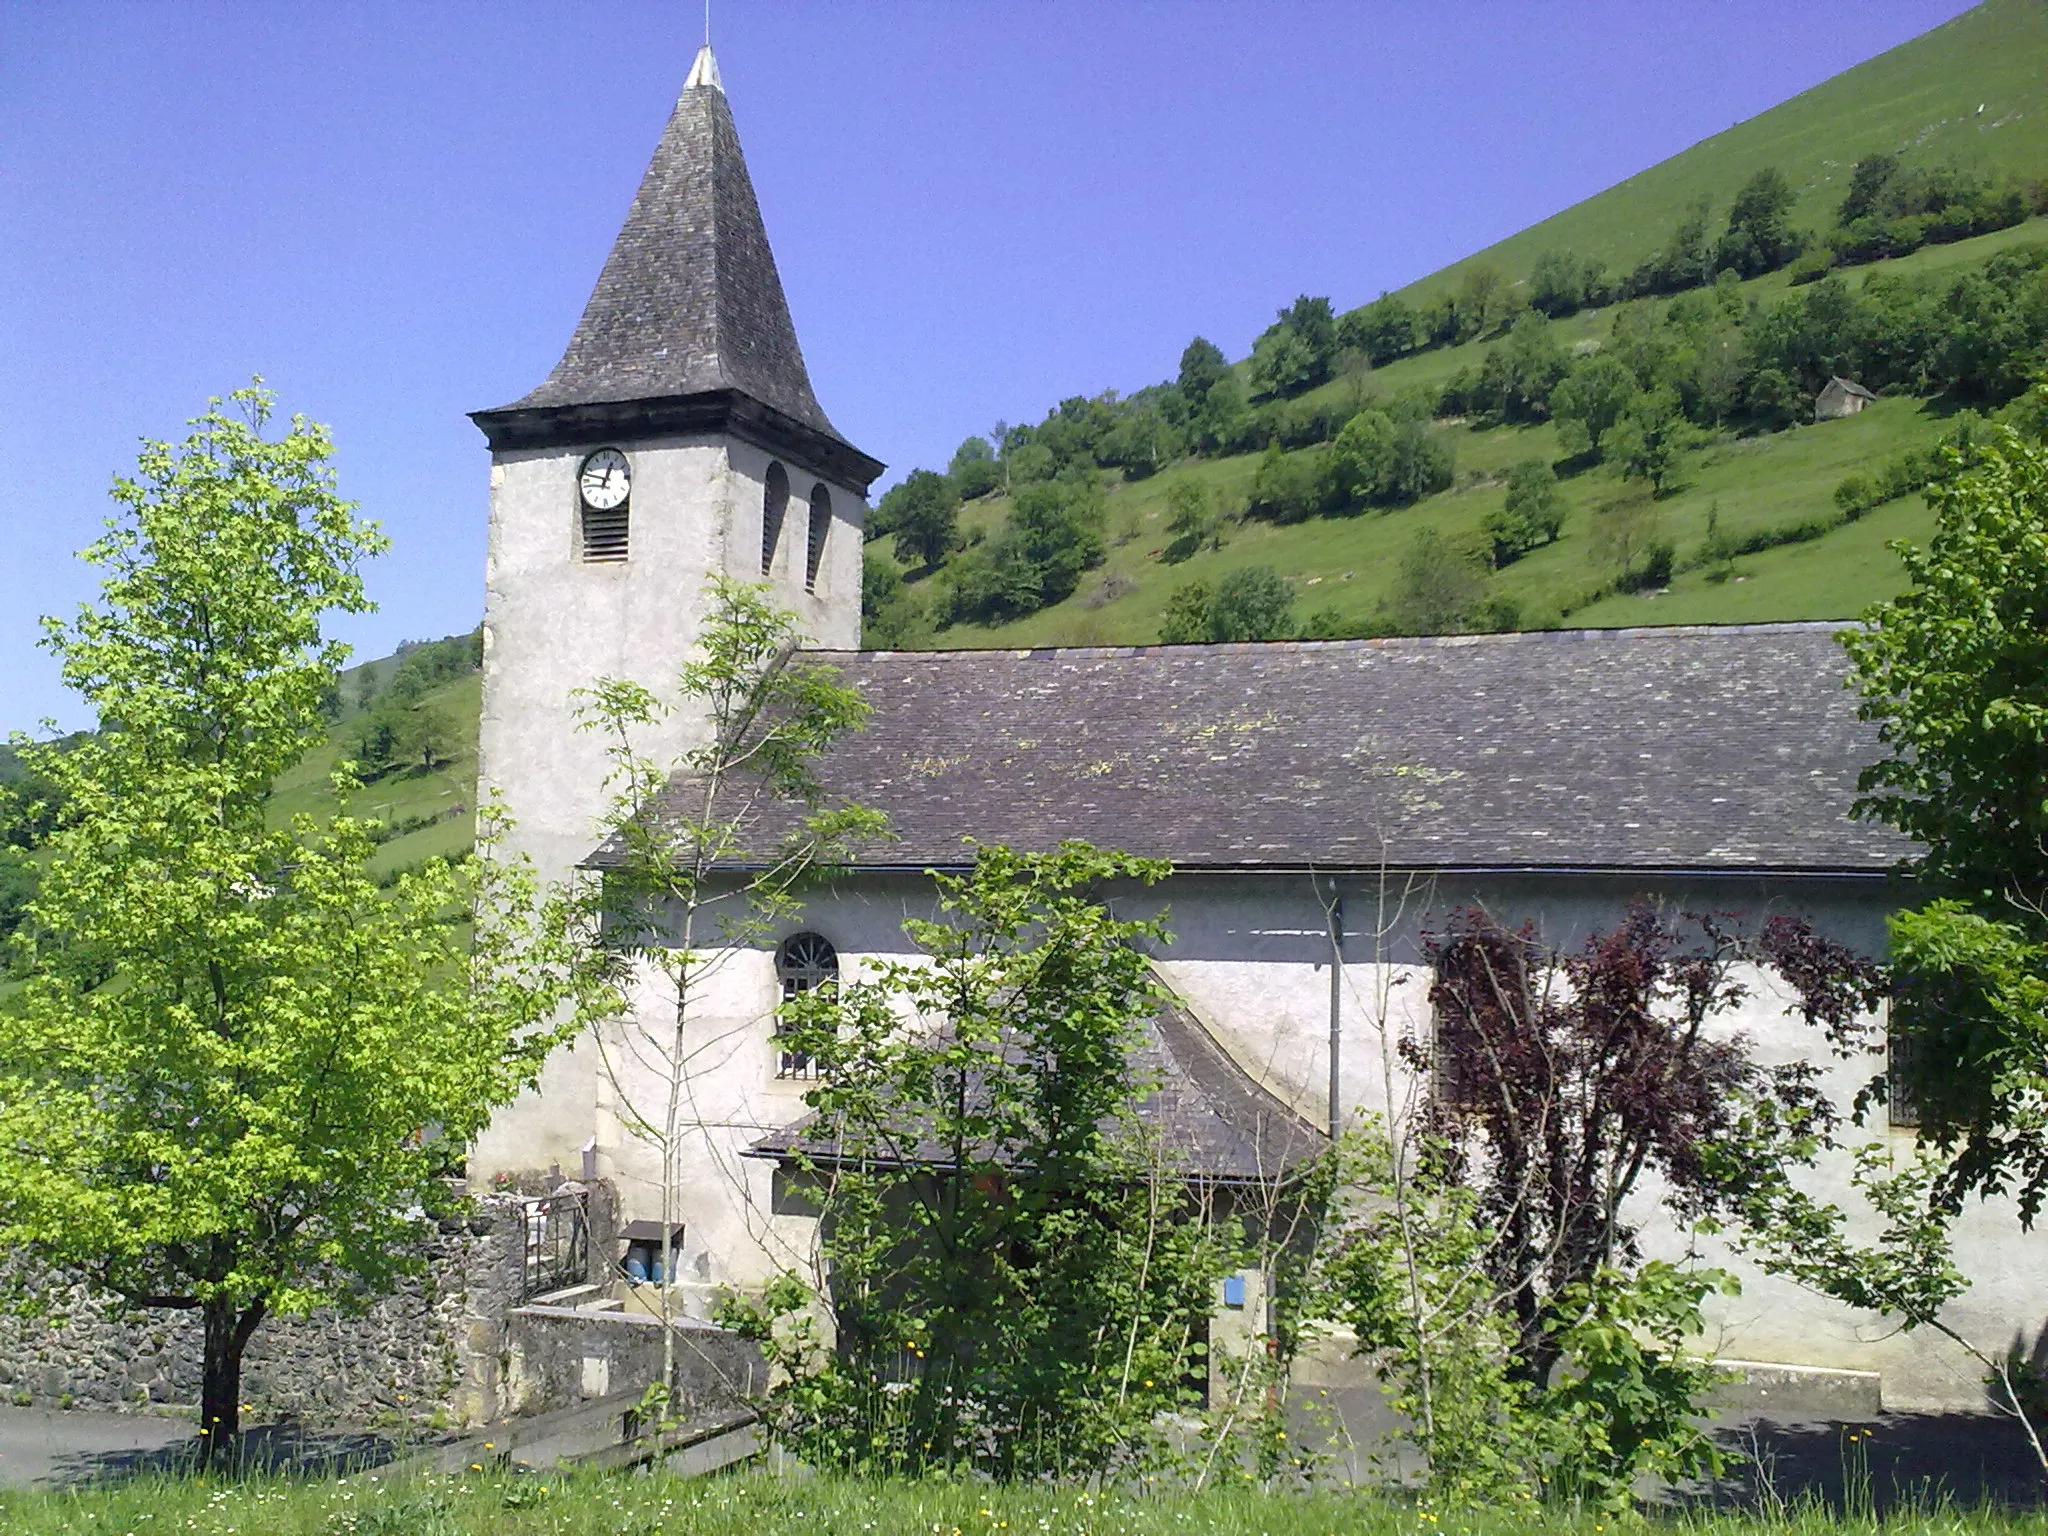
606 479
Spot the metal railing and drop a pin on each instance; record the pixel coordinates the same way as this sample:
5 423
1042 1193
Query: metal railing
557 1244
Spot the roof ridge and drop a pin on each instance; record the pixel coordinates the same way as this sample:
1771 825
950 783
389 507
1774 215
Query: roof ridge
1378 642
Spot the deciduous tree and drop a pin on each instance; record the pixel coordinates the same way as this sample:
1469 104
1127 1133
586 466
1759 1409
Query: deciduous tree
242 1067
924 514
1438 588
1589 401
1955 673
1004 1247
1532 515
974 469
683 889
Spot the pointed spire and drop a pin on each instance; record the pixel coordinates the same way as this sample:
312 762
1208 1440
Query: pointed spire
689 302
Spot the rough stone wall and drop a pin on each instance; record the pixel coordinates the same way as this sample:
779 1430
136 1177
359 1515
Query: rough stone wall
431 1352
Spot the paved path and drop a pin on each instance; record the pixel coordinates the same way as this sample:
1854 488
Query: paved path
44 1445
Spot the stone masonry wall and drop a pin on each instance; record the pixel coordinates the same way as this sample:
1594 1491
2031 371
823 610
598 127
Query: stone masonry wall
431 1352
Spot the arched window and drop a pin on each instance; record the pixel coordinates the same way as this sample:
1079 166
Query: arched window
821 523
774 502
805 961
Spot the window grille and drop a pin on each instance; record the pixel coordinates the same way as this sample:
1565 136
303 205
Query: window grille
604 532
805 961
774 502
1901 1055
821 524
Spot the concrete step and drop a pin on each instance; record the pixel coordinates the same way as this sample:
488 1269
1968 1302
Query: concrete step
568 1296
599 1434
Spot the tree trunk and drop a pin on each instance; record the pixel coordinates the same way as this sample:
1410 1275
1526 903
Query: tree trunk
220 1384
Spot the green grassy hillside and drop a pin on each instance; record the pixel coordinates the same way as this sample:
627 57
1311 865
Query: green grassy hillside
427 811
1970 94
1971 91
1346 566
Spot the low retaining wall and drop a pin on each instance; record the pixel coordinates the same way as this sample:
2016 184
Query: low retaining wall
432 1352
558 1355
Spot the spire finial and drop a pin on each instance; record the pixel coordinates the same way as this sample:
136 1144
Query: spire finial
704 71
707 23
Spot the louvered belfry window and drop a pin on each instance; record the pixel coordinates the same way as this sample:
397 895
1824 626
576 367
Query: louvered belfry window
1901 1058
805 961
821 524
605 531
774 502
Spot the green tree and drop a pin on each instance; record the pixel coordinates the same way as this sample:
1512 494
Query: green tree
394 736
1650 440
891 616
1251 604
1054 533
1532 515
1774 401
1519 374
1286 487
674 903
1955 673
1589 402
1186 620
1560 284
1383 330
1192 519
974 470
924 514
1686 262
19 881
1298 350
1760 237
1001 1236
1379 461
1202 365
1438 587
1867 185
1481 303
213 1097
1627 533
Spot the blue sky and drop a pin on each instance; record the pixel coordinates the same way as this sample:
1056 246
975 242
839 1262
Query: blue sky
394 212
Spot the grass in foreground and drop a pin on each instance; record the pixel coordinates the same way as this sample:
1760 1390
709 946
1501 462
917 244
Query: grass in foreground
757 1504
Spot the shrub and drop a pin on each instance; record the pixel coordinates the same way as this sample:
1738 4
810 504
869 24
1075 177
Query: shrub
1287 488
1857 494
1811 267
1252 604
1657 564
1439 587
1377 461
1186 620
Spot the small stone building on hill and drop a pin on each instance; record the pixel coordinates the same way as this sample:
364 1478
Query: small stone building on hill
1324 804
1840 397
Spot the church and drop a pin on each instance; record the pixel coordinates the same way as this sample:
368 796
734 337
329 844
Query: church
1322 803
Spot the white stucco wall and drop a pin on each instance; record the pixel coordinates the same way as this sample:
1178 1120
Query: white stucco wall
1251 956
554 623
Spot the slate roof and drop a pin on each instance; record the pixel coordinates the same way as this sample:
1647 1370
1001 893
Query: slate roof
1848 387
1206 1116
1729 748
689 301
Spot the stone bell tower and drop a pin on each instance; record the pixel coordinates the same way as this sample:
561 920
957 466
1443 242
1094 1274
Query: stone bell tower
678 437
